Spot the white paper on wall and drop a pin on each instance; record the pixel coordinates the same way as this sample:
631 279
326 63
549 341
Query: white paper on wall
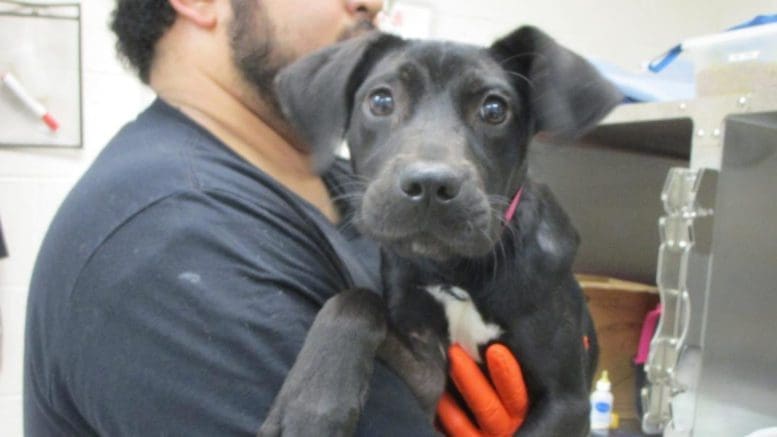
40 48
407 20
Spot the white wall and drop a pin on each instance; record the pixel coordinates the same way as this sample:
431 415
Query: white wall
33 182
626 32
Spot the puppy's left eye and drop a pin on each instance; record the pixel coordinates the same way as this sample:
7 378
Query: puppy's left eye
493 110
381 102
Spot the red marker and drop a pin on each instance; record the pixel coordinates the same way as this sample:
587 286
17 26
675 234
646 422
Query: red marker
28 101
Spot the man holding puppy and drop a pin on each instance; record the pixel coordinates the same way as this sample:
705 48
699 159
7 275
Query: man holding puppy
178 280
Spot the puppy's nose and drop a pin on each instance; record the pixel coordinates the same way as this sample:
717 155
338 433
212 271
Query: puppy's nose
433 182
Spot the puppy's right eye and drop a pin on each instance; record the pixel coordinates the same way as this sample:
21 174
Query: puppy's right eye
381 102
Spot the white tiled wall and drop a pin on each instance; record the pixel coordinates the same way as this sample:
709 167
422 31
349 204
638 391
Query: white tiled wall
33 182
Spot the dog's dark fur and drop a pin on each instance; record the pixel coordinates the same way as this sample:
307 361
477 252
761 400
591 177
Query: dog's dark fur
438 134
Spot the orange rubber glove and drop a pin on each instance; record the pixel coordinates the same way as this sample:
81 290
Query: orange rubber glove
499 406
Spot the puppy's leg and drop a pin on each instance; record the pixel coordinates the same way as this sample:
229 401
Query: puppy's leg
559 406
420 361
326 389
557 416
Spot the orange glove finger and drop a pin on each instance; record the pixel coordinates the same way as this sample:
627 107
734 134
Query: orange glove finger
478 393
507 377
454 421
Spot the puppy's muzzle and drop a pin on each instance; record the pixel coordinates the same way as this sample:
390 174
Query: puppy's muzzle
428 207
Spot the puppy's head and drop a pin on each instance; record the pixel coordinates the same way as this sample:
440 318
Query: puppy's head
438 131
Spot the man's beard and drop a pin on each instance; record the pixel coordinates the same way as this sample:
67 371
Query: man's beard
259 58
359 28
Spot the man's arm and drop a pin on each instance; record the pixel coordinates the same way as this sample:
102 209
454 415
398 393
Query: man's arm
187 323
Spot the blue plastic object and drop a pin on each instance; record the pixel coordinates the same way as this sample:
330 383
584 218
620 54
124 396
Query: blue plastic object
667 58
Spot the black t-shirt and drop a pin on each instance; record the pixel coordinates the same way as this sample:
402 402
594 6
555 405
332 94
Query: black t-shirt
174 289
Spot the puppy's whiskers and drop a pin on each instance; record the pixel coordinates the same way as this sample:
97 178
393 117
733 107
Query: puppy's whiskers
498 204
518 56
351 198
521 76
504 61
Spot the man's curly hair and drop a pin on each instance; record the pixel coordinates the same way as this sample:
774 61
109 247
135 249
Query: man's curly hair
139 24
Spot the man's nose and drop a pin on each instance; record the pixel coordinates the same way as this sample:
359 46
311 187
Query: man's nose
369 8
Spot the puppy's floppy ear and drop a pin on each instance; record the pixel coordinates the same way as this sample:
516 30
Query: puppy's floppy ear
568 95
316 92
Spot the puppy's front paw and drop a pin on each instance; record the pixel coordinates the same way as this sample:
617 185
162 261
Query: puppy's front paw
314 418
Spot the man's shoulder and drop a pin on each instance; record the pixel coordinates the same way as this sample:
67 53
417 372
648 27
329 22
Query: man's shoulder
160 166
161 154
153 154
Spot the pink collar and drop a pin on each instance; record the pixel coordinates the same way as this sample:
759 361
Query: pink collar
510 213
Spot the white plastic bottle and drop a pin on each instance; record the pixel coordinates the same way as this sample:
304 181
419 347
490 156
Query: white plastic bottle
601 406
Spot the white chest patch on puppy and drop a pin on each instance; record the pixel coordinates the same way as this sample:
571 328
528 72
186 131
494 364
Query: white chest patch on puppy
465 324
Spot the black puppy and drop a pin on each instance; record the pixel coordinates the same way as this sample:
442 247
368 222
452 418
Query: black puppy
473 251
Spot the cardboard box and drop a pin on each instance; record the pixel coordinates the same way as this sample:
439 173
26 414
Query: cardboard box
618 309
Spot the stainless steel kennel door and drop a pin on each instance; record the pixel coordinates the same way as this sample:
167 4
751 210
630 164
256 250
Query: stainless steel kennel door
737 391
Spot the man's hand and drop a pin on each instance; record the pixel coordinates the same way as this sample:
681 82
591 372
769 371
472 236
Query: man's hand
499 407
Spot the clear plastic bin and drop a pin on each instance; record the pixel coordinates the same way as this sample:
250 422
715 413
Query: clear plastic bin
737 61
758 43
